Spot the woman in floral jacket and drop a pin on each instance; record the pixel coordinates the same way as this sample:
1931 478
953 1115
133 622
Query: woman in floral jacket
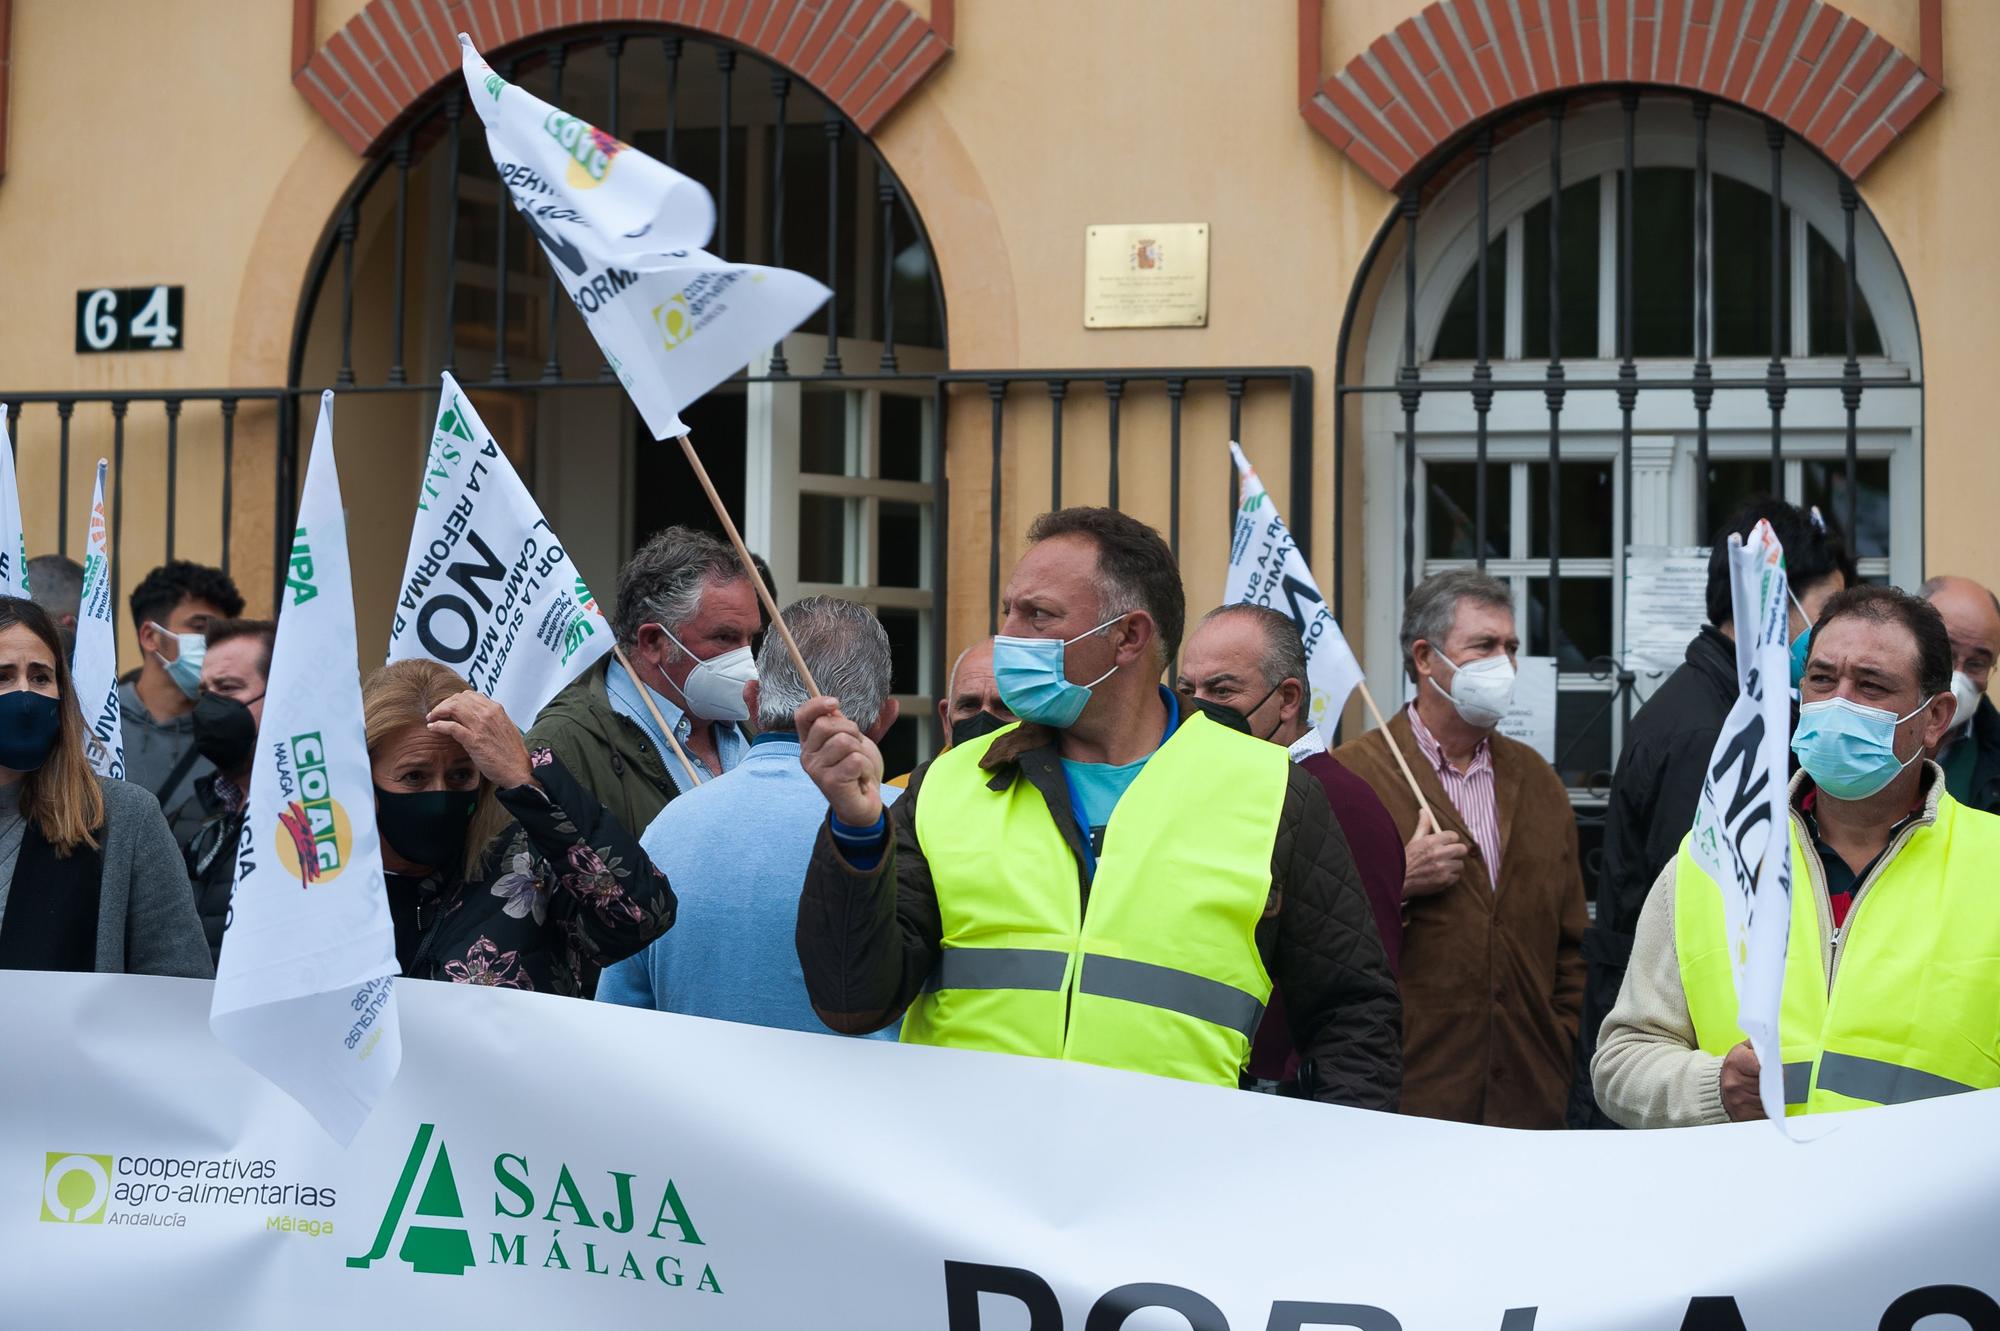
502 869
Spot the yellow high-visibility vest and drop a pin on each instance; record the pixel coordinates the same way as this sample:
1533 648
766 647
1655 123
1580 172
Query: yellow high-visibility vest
1907 1007
1162 974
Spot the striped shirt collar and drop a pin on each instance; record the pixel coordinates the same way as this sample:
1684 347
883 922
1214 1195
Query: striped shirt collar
1482 756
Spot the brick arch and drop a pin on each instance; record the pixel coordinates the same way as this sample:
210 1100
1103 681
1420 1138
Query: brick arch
865 56
1825 75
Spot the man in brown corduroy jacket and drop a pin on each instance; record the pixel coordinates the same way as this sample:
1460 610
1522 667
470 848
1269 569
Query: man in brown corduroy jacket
1492 971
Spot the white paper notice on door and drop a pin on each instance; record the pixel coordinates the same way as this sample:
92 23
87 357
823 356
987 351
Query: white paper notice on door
1531 717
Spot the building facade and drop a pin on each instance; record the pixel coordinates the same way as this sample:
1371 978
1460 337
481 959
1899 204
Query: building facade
1454 250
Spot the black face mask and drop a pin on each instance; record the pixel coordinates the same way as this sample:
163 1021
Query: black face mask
29 722
426 827
1237 718
224 731
969 728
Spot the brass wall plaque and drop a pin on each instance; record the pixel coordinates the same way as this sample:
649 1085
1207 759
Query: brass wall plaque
1148 276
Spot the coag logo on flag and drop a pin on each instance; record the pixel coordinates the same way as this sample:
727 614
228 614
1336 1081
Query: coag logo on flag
75 1188
591 150
314 832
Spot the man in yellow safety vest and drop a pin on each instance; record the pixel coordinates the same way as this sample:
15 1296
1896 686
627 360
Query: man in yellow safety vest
1892 967
1117 878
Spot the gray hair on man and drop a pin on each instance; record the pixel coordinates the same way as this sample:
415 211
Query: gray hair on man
663 582
1428 614
844 646
1284 654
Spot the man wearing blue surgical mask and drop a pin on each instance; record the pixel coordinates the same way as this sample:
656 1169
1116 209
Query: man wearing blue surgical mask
1117 878
172 608
1891 981
1667 746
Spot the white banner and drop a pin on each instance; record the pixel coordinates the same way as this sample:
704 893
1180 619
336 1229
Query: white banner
13 541
1742 824
305 989
623 233
95 664
1266 568
547 1162
487 588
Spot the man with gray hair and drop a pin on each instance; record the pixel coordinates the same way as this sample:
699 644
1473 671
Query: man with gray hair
55 583
738 847
685 617
1970 751
1493 896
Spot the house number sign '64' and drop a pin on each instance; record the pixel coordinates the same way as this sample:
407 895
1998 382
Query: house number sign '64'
128 319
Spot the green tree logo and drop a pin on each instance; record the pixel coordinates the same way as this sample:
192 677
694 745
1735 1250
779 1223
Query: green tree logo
438 1250
75 1188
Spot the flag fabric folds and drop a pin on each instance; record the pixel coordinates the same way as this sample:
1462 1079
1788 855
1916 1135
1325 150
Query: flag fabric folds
487 588
1266 568
624 233
1742 823
94 666
13 541
305 990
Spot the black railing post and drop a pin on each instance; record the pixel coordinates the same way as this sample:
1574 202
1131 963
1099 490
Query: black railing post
1058 389
1299 511
672 46
397 373
725 65
347 228
173 408
228 471
885 193
1553 389
833 129
1850 370
614 51
781 90
1233 386
552 360
454 109
64 410
1176 390
940 544
996 396
1482 367
1628 371
117 551
1704 391
499 372
1409 392
1774 374
1114 393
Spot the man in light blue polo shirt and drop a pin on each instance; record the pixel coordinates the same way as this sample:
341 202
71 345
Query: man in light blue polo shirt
736 848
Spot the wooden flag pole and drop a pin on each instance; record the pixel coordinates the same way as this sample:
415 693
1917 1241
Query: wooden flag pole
1390 740
749 566
646 696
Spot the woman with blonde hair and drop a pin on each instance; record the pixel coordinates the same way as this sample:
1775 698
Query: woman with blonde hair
90 877
502 869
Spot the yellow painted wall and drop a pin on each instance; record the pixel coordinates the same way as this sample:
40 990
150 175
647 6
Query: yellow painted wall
165 143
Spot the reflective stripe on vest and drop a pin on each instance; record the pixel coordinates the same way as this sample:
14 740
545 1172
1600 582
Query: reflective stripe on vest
1911 1012
1164 976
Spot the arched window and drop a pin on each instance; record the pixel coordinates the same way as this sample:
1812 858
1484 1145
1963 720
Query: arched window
1723 307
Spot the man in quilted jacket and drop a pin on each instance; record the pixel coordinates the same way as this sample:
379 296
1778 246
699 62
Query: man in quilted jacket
1118 878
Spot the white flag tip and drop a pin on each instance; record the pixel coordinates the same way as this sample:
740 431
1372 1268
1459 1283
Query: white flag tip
465 41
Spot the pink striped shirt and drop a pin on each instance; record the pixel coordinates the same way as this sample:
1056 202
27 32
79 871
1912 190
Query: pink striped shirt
1472 791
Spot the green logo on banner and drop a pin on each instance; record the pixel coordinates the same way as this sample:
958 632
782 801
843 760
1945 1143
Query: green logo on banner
438 1250
75 1188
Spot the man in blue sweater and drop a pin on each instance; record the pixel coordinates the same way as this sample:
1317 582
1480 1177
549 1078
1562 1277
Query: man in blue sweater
736 847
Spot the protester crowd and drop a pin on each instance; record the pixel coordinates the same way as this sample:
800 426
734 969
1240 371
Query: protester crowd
1098 866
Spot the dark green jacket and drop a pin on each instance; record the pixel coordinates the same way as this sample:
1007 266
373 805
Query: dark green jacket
610 755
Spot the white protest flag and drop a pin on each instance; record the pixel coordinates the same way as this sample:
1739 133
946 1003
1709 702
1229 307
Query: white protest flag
624 234
94 666
1742 824
305 991
13 541
487 588
1266 568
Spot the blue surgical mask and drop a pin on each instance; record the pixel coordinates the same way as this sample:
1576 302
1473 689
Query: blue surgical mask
1849 750
1032 682
185 669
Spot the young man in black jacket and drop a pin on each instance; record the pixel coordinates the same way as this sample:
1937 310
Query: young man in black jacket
1667 744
